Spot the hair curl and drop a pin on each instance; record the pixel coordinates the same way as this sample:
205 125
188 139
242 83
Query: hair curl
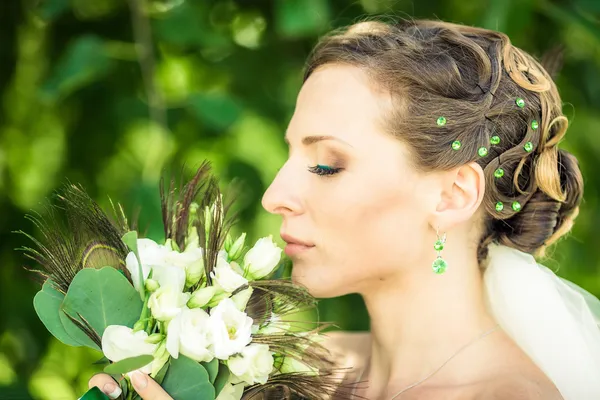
472 77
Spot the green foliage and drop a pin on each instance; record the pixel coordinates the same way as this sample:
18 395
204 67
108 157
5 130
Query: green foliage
47 303
218 79
103 297
221 379
212 368
128 364
188 380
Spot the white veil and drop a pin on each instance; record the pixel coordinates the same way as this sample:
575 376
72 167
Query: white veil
554 321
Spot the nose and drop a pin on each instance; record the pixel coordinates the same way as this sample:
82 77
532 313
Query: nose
282 197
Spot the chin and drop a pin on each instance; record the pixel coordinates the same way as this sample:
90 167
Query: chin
316 284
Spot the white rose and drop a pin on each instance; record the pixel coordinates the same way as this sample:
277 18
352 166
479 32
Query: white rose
121 342
262 259
231 391
231 329
253 365
226 277
167 302
189 334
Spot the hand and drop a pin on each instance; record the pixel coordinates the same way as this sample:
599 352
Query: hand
145 386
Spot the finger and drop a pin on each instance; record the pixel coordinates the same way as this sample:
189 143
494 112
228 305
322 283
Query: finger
106 384
147 388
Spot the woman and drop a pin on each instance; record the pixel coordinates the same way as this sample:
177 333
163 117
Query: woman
433 173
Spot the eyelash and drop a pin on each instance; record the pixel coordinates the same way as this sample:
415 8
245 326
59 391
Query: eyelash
324 170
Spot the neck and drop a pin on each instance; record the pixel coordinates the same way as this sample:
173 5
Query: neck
420 319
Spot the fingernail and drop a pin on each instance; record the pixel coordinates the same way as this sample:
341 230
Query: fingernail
139 380
112 390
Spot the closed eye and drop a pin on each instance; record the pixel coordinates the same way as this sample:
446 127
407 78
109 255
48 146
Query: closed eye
324 170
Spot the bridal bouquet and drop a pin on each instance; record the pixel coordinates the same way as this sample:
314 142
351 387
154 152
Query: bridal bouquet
197 312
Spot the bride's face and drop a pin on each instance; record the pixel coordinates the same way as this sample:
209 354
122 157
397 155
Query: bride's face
366 218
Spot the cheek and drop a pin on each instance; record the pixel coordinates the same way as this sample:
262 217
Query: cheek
364 231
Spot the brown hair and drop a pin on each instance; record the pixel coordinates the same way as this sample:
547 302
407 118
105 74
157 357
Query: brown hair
472 77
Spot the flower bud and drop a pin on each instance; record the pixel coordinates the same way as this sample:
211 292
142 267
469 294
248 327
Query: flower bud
237 248
228 243
155 338
217 298
161 356
151 285
161 350
139 326
201 297
262 259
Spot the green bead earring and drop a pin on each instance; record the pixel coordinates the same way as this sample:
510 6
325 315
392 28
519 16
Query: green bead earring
439 265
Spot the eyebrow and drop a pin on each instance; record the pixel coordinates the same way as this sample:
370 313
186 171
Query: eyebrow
308 140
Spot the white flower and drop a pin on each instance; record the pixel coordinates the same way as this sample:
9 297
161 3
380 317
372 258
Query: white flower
167 302
191 261
121 342
231 391
189 334
169 276
226 277
253 365
262 259
150 254
231 329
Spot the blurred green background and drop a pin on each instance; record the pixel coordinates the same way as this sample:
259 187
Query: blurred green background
107 93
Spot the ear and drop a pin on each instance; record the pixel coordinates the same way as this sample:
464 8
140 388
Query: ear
462 193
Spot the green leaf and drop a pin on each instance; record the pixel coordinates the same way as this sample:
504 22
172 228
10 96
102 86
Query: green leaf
222 378
160 376
128 364
103 297
130 240
188 380
102 361
212 368
47 304
76 333
83 62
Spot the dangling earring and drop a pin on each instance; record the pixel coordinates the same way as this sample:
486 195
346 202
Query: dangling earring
439 265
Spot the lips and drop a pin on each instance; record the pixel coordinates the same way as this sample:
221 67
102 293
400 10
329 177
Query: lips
294 245
293 240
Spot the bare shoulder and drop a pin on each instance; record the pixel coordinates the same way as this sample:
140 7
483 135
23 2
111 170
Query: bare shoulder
518 387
